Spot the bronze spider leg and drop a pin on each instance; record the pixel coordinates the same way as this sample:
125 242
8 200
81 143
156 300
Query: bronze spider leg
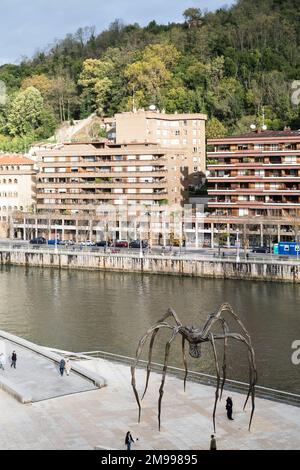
229 309
169 313
161 390
213 318
138 355
224 366
252 366
150 361
212 340
253 375
252 370
184 362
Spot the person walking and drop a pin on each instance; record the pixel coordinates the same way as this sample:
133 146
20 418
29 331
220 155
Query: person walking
2 361
14 360
213 443
229 408
129 440
62 365
68 367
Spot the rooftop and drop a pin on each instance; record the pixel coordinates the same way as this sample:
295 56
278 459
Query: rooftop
260 135
15 159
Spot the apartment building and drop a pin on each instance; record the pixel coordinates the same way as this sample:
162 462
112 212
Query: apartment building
79 177
17 185
255 174
175 131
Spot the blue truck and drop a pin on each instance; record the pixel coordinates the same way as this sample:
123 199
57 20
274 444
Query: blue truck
288 248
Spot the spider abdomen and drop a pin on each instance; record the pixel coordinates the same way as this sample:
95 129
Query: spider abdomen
195 350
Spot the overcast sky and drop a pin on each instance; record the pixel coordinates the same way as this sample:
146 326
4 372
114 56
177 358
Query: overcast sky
28 25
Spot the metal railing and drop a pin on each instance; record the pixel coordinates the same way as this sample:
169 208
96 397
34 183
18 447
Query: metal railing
156 253
193 376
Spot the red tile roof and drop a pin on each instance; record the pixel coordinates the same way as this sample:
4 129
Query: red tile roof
15 160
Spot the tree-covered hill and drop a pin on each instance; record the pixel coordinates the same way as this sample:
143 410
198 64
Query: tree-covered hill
232 64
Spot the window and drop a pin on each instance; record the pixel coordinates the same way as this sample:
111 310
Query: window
16 181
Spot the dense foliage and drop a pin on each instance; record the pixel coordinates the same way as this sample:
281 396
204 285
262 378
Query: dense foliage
231 64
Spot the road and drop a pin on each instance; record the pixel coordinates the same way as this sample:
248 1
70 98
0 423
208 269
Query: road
224 253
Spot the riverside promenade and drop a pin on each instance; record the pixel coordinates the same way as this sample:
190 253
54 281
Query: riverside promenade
100 418
265 269
37 377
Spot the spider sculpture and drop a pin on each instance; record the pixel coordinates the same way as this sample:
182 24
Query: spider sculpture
195 338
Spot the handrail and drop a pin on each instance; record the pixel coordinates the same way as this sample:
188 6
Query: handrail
234 385
60 250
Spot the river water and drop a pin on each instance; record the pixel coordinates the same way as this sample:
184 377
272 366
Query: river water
89 311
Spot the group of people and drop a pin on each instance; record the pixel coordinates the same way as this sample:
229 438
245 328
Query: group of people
65 365
13 362
213 443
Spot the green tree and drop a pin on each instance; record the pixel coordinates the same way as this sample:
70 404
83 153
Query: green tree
148 76
95 78
25 113
215 129
193 16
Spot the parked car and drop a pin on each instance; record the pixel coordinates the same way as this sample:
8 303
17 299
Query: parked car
38 241
88 243
54 242
120 244
137 244
103 244
261 249
69 242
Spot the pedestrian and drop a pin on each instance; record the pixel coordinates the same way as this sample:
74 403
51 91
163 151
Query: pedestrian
2 361
229 408
213 443
68 367
129 440
62 365
14 360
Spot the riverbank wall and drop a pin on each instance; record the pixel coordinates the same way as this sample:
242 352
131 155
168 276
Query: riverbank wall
258 270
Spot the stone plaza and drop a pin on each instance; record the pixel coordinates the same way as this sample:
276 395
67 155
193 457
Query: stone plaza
72 413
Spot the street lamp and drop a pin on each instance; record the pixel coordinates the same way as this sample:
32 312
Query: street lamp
141 245
237 246
56 249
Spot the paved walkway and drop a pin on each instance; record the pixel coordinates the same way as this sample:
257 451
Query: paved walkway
38 378
102 417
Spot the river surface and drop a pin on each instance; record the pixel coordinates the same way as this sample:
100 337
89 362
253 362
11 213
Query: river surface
90 311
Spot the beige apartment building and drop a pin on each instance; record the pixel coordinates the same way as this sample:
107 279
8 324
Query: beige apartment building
79 177
17 184
150 161
175 131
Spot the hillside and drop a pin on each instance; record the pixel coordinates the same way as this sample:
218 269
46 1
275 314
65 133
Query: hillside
230 64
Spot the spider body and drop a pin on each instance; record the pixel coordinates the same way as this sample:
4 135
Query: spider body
195 337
